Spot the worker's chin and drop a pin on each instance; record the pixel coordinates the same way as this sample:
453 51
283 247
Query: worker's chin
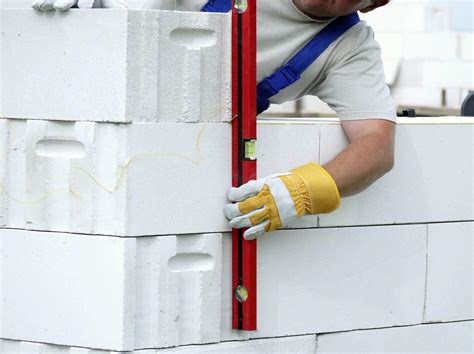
319 9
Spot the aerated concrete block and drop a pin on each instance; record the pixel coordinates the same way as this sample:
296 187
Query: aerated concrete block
126 180
434 46
18 347
431 180
314 106
178 290
285 144
63 289
115 65
114 179
303 344
448 74
399 17
433 339
466 50
391 44
110 293
286 108
328 280
132 180
415 96
449 293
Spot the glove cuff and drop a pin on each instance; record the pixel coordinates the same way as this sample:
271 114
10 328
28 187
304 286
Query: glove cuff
322 189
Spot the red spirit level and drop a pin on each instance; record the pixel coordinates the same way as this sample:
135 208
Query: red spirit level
244 162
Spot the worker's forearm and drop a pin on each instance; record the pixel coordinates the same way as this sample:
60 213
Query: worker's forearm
361 163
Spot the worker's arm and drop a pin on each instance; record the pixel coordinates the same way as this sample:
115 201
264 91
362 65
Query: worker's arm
273 202
369 155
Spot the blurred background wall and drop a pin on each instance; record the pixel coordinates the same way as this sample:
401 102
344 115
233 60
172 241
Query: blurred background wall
428 53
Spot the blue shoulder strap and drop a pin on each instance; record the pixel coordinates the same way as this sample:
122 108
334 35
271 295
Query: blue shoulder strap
217 6
292 71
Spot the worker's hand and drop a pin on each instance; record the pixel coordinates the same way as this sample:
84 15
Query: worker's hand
271 203
48 5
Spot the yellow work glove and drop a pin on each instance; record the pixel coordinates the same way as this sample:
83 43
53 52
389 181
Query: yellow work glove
273 202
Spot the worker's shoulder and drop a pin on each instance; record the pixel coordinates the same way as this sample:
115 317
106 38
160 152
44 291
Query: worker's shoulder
360 37
357 41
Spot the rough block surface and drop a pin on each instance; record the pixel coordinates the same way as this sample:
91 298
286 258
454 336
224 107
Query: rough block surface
126 179
178 290
110 293
62 289
115 65
303 344
432 339
324 280
114 179
450 279
431 180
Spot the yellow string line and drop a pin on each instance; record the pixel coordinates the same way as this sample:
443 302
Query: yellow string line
119 180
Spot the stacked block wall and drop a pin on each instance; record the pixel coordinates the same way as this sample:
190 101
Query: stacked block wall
112 236
114 54
379 262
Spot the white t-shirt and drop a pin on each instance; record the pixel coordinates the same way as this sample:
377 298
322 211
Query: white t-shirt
348 76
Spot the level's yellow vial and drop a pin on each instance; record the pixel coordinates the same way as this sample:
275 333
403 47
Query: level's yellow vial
250 150
241 294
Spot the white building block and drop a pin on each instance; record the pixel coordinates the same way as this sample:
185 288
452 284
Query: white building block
178 290
398 17
125 180
284 145
302 344
391 44
466 43
279 109
416 96
15 4
391 71
455 98
450 281
431 180
313 105
110 293
115 65
448 74
19 347
324 280
63 289
410 75
429 45
426 339
438 16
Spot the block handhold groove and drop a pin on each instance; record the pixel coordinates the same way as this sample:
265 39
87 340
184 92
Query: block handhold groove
193 37
63 148
191 262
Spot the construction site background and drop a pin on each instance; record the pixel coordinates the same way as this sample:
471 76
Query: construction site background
427 49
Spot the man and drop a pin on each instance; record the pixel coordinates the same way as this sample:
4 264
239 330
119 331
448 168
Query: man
348 76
